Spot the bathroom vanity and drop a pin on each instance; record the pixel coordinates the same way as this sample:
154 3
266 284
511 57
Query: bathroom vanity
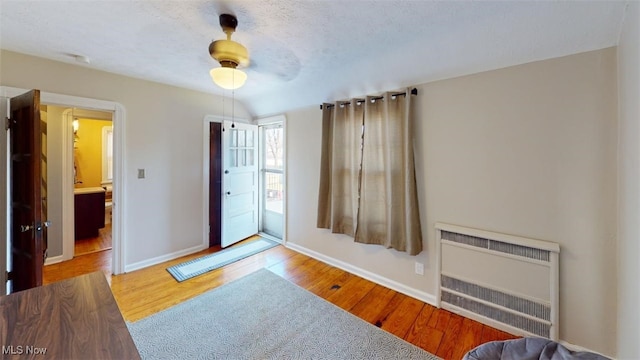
88 211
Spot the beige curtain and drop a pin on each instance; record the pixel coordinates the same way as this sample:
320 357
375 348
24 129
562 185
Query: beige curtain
367 175
345 167
340 167
388 214
324 193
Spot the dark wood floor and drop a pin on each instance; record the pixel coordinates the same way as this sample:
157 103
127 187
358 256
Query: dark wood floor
147 291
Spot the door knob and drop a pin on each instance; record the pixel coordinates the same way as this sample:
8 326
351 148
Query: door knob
226 171
25 228
228 192
44 224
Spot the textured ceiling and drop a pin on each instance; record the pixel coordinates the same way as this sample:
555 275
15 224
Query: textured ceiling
307 52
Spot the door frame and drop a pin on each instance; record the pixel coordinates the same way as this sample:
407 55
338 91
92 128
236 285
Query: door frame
4 195
68 202
277 119
119 168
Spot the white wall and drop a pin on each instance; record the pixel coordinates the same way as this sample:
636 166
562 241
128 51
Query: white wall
629 186
528 150
163 136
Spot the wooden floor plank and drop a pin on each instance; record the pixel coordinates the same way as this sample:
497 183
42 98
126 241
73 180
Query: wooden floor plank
449 343
351 292
95 244
469 338
440 319
421 334
147 291
492 334
373 305
332 280
400 319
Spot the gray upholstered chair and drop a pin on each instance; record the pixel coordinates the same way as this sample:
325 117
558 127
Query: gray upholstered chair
527 349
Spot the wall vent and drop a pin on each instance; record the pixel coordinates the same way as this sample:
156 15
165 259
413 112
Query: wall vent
527 324
524 306
507 248
504 281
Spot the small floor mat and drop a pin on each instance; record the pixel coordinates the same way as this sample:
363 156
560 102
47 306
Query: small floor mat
199 266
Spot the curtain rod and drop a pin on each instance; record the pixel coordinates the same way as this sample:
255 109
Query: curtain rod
414 91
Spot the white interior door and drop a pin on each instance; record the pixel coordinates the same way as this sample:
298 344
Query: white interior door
239 182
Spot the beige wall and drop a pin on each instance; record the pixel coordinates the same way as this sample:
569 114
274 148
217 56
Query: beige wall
629 186
528 150
55 130
163 135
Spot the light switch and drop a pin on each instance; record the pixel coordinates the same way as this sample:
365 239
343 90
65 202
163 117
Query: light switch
140 173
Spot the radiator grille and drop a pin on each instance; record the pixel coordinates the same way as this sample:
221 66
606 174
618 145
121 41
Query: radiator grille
525 306
465 239
513 249
520 322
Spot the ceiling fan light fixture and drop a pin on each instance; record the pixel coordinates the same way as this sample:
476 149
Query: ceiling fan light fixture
229 54
228 77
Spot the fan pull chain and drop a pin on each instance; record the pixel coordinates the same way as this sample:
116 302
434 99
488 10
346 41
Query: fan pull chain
233 101
222 109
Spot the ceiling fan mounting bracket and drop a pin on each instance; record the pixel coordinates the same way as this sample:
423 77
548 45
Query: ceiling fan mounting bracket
228 22
228 52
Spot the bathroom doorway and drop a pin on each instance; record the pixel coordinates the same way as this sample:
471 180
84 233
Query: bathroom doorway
61 189
81 152
93 180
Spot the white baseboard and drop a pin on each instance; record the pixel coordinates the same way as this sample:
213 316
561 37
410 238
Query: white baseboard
381 280
53 260
160 259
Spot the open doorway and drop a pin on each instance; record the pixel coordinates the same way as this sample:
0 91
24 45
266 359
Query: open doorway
272 178
233 148
113 262
80 154
93 180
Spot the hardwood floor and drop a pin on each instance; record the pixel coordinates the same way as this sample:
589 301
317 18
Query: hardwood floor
147 291
88 258
99 243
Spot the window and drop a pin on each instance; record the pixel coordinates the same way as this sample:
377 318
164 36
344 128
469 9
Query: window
107 154
273 167
367 178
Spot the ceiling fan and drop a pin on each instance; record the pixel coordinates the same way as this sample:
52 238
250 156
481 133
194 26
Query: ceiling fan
230 55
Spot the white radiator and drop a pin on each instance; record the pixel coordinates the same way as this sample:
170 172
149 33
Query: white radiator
504 281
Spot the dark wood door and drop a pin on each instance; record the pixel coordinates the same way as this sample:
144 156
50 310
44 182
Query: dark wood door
215 183
28 200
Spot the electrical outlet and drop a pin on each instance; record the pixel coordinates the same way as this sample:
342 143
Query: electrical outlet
140 173
419 268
